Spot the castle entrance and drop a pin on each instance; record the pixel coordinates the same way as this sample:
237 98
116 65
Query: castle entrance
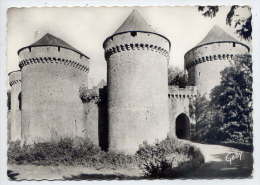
182 128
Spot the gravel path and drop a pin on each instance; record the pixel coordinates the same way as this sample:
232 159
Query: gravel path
223 162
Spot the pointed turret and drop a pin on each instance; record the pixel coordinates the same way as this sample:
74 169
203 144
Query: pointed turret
137 62
52 72
50 40
212 55
217 34
135 22
134 25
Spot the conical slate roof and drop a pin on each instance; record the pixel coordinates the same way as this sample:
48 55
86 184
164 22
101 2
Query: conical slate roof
134 22
217 34
50 40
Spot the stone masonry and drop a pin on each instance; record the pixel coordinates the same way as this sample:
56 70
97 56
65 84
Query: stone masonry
135 105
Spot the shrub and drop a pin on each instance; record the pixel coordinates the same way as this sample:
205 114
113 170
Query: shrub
88 95
168 158
67 152
13 152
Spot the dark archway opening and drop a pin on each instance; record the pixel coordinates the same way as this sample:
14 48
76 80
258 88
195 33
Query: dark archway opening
182 126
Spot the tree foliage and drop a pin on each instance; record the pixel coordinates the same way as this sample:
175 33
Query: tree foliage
208 127
241 22
209 11
233 99
227 115
177 77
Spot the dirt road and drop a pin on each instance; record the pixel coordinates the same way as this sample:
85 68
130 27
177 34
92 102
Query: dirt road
220 162
223 162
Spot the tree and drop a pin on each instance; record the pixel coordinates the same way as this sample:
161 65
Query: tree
233 100
207 118
177 77
209 11
239 21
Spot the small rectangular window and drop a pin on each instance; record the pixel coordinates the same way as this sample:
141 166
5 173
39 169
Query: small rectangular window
234 44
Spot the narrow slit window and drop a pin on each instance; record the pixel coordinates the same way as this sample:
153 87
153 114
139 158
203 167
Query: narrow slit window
133 33
20 101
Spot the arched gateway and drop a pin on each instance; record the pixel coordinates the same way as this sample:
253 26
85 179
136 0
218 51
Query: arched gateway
183 126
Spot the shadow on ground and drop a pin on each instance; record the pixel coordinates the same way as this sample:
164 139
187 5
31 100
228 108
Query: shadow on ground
102 177
12 175
223 169
216 167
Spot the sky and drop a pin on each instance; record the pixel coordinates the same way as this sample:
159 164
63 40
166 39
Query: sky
86 28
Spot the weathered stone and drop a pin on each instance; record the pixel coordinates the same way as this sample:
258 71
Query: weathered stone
51 78
137 86
15 112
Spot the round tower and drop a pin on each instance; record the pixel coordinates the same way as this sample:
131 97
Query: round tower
137 62
52 74
15 112
212 55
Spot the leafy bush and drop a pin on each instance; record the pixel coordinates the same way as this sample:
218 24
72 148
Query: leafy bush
176 77
169 158
88 95
67 152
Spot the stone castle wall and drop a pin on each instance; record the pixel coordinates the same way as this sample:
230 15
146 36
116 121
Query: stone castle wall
91 121
179 100
95 116
137 89
15 112
136 106
205 63
51 105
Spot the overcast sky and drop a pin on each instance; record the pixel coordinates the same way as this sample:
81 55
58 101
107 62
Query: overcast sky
86 29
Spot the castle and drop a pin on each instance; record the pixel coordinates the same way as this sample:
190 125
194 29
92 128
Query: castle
135 106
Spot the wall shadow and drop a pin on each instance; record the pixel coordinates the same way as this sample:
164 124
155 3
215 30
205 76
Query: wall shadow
103 119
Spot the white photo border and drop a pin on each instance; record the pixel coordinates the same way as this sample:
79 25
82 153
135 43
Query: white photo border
5 4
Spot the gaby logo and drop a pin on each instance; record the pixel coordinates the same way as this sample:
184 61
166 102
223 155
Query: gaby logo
232 156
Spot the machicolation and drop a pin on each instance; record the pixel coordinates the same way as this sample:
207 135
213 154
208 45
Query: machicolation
50 97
